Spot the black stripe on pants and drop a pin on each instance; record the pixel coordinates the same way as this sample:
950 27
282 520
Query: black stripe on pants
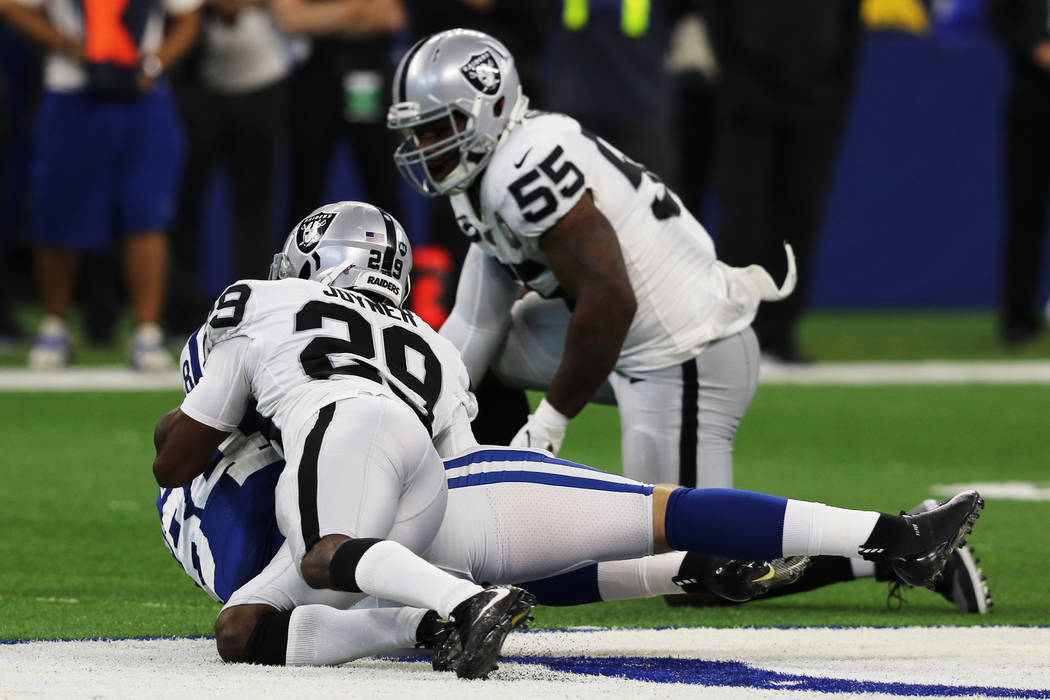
308 477
690 424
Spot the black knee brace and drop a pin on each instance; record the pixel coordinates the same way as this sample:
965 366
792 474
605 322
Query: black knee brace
342 570
268 643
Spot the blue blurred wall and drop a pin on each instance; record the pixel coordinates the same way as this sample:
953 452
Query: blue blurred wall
915 213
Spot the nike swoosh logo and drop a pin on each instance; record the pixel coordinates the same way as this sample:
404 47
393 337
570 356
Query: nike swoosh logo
518 164
768 575
501 593
635 380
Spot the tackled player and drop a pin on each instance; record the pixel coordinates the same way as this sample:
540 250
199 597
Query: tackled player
360 408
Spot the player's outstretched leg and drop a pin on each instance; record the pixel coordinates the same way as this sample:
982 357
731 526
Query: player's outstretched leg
482 623
752 526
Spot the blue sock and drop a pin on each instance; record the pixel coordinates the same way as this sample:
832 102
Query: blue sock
726 522
574 588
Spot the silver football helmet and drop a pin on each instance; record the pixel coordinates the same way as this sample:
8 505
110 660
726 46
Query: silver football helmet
352 245
456 95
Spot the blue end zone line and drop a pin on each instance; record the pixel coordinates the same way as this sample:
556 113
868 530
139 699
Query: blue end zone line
591 630
736 674
574 630
740 675
691 671
105 639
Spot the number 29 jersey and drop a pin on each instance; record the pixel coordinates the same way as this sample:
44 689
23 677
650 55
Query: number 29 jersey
686 298
295 345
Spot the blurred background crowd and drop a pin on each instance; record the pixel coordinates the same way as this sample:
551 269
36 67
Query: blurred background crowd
152 151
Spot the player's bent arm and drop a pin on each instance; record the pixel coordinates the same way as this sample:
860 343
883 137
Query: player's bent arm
187 437
584 254
480 318
184 448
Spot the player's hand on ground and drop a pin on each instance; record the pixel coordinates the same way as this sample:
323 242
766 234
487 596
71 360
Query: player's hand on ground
545 429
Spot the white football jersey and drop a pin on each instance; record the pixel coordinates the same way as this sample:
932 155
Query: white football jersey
686 297
295 345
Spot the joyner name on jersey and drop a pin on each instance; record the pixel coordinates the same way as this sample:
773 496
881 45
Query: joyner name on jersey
366 303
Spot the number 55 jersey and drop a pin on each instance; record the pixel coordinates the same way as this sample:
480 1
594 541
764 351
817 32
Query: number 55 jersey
686 297
296 345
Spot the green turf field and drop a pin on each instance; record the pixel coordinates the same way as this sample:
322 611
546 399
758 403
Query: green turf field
82 555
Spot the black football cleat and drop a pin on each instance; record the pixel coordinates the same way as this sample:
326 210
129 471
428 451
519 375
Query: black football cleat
962 582
482 623
935 535
441 636
735 580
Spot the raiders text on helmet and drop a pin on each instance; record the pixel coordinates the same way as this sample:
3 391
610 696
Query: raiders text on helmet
463 86
352 245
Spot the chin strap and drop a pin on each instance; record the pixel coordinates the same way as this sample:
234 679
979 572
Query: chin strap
517 113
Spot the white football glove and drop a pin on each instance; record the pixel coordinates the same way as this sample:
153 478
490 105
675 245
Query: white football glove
545 429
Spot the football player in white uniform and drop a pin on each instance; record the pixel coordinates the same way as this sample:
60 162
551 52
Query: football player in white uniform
657 325
556 210
515 515
357 392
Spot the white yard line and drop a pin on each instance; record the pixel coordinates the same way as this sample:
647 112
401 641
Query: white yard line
827 373
88 379
925 372
794 664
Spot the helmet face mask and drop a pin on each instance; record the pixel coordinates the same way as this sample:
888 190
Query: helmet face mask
437 150
352 245
456 94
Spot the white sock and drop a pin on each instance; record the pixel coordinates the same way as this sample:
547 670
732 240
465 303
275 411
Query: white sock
639 578
814 528
390 570
322 636
862 568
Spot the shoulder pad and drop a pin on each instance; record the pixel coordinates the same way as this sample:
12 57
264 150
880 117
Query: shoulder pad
227 313
538 174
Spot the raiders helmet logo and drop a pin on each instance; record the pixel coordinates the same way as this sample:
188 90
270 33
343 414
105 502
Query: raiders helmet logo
482 72
310 230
